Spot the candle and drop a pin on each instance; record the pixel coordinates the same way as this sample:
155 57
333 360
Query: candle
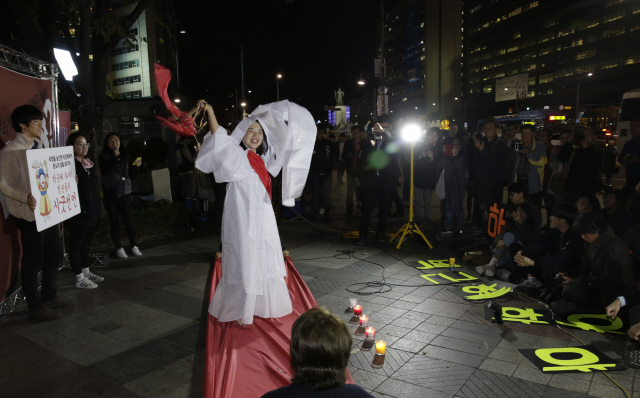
381 347
452 264
364 320
357 310
370 333
353 302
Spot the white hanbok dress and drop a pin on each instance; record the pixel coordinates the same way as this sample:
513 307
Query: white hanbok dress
253 268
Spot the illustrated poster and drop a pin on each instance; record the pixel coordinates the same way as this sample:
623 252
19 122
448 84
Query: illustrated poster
52 173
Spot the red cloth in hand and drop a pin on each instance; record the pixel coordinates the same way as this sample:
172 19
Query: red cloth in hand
180 123
258 165
244 362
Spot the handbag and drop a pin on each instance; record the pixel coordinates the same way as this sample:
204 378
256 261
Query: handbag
440 189
558 181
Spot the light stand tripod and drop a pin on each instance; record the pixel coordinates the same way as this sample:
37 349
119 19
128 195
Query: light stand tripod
410 133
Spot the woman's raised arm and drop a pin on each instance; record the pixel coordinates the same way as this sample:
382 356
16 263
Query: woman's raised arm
213 122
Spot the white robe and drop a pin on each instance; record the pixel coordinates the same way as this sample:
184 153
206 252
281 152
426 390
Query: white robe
253 268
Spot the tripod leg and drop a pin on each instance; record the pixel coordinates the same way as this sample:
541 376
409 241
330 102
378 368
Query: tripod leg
406 231
416 229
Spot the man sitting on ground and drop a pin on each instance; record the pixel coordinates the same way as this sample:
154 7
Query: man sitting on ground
630 300
605 272
320 349
559 250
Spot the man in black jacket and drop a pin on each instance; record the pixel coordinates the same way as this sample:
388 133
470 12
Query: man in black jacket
320 175
559 250
491 153
605 272
352 156
378 173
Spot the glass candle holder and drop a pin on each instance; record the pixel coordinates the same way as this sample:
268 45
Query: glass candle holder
370 333
353 302
357 310
364 320
381 347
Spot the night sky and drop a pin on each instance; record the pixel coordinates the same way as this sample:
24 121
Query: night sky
316 45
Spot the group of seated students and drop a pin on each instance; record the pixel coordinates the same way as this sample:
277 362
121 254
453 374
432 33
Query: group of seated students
585 260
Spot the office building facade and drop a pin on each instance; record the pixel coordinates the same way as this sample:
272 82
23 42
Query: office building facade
579 52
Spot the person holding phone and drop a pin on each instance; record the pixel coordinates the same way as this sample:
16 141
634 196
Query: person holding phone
117 169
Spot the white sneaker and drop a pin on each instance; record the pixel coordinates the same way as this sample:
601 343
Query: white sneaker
121 253
491 270
85 283
93 277
136 252
481 269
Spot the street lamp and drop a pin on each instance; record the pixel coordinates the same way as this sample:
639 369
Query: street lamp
578 98
410 133
278 77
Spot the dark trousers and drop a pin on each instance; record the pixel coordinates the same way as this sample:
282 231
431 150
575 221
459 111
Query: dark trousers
41 251
351 189
485 195
340 170
470 194
395 199
121 205
376 189
321 188
80 238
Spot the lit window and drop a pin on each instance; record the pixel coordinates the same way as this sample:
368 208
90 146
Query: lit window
615 16
546 78
487 89
609 65
585 54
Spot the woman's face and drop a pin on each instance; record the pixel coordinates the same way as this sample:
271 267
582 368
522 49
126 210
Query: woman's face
522 216
254 136
114 142
583 205
80 147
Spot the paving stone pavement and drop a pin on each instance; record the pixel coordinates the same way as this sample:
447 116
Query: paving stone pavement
141 333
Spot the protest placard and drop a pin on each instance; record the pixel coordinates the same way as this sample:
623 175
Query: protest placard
53 185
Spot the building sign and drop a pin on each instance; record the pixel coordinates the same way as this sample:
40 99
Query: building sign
52 174
512 87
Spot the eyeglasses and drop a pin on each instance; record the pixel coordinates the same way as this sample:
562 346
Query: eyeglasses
87 145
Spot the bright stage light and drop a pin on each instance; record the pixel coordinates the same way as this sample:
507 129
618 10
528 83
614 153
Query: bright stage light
411 133
65 61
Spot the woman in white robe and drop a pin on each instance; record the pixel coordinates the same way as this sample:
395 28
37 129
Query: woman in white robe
253 268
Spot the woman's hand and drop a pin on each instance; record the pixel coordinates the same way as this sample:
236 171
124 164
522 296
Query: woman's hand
138 162
430 154
213 122
116 152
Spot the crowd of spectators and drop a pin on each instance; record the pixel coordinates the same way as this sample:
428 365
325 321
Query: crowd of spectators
569 237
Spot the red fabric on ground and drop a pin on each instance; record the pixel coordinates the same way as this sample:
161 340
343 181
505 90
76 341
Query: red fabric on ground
244 362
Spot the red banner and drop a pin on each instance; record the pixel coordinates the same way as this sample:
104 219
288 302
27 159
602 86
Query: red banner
19 89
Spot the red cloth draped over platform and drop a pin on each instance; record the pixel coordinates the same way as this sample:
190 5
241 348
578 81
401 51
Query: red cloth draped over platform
244 362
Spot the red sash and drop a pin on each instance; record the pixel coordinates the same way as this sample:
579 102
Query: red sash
258 165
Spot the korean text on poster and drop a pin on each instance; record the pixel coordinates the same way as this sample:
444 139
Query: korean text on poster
52 175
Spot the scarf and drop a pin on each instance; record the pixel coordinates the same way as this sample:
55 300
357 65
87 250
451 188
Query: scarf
258 166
